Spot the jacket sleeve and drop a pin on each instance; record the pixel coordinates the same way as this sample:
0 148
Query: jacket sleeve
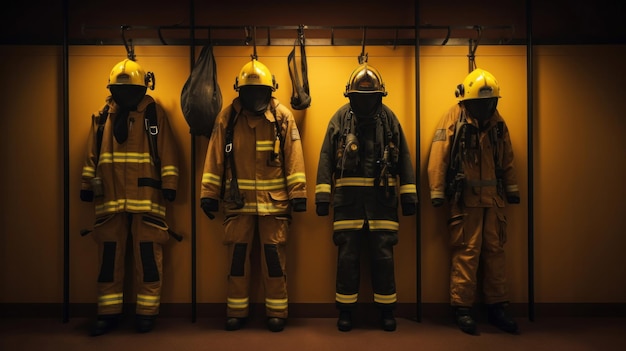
439 159
510 179
408 188
214 160
295 174
168 151
89 166
326 164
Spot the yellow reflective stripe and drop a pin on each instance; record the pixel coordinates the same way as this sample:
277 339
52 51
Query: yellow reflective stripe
257 208
89 172
133 205
385 299
377 224
348 224
237 303
322 188
357 181
265 145
295 178
276 304
111 299
512 188
408 189
148 300
129 157
437 195
268 184
341 298
169 171
210 178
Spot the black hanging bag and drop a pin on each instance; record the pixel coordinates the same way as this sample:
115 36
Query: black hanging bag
201 98
300 98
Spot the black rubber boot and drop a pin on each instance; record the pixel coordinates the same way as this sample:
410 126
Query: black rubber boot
496 315
144 323
464 320
387 320
344 323
276 324
105 323
234 323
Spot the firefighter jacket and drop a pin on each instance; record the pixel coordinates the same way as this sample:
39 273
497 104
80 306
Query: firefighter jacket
484 159
131 182
368 189
266 168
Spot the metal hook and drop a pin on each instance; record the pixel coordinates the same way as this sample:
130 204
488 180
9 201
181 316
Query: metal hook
363 56
301 34
161 36
128 44
473 45
252 39
445 41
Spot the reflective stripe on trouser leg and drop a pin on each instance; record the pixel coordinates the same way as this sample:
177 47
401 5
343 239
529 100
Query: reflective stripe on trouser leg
273 236
382 267
348 268
493 257
147 247
465 257
111 234
238 235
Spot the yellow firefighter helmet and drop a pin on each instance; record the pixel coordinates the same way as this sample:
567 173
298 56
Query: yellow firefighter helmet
129 72
255 73
479 84
365 79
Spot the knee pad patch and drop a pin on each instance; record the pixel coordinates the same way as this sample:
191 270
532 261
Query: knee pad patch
272 260
108 262
150 270
239 260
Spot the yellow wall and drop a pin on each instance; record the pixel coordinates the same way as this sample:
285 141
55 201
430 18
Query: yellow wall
578 165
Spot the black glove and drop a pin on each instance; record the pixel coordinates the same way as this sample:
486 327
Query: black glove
408 208
321 208
169 194
299 204
437 202
513 198
209 205
86 195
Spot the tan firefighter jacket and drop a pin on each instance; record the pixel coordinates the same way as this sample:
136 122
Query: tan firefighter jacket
131 183
480 153
270 172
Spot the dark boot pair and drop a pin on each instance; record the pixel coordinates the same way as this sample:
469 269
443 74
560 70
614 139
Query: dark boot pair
107 322
387 321
274 324
496 315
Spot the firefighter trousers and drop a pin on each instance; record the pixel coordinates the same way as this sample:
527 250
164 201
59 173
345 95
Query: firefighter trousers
380 247
477 238
148 234
238 237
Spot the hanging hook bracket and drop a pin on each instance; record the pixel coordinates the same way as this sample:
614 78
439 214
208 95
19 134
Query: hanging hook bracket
128 44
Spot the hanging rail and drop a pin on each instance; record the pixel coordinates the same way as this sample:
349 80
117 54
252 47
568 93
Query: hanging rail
316 36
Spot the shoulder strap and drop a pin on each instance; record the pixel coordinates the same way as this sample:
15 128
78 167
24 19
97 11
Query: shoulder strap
152 130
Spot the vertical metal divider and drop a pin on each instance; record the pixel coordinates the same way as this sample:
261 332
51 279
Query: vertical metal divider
66 167
418 215
529 134
192 176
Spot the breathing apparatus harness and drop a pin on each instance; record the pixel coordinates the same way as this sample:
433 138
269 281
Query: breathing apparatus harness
234 195
348 148
465 146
